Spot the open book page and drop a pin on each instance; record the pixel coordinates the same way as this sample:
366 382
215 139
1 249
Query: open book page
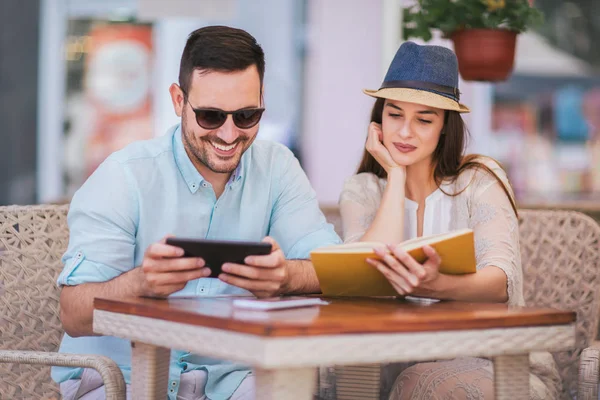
425 240
363 247
359 247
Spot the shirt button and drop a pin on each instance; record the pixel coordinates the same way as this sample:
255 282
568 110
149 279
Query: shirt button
172 390
204 184
173 383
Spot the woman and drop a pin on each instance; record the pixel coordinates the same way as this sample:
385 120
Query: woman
414 180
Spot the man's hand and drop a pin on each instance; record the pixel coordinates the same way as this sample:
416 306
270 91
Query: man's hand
264 276
165 271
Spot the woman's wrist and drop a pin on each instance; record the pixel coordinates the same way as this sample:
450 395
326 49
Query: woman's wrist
397 174
439 288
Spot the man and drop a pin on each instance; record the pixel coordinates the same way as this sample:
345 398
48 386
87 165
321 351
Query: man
206 178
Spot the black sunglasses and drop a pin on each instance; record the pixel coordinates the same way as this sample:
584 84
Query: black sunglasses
214 118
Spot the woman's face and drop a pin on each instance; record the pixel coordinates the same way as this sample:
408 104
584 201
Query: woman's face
411 131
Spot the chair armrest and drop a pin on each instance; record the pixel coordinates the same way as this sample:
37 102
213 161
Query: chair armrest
112 377
589 372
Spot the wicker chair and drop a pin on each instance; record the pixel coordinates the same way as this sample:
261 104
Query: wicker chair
560 253
32 241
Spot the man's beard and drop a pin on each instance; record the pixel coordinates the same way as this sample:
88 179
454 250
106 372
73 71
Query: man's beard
202 154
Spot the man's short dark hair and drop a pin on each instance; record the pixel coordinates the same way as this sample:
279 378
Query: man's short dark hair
219 48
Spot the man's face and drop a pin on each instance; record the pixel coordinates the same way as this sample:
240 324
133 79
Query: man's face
220 149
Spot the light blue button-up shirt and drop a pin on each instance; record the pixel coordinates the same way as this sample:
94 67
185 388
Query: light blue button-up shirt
151 189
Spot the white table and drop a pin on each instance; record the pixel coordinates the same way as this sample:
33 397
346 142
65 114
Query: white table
286 347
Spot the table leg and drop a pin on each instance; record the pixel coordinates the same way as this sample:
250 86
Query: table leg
149 371
289 384
511 377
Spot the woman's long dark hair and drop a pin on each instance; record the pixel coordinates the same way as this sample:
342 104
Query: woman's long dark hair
448 158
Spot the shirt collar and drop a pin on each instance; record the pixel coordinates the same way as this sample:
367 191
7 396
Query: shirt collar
188 171
237 174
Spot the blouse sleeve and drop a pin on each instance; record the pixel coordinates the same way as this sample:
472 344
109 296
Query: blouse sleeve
496 228
358 203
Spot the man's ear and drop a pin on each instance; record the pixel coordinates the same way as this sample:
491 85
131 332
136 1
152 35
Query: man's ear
177 98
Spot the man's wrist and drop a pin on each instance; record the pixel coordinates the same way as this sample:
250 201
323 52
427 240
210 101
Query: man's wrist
300 280
136 282
286 285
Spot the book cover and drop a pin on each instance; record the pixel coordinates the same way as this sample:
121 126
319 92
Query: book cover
342 270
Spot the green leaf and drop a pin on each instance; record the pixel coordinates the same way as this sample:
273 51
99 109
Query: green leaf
449 15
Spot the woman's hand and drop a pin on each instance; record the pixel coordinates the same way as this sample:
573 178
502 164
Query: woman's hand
405 274
377 149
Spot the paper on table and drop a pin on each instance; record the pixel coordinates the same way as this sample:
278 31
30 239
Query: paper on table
278 303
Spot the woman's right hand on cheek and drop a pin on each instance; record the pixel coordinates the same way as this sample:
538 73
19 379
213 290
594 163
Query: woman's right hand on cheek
377 149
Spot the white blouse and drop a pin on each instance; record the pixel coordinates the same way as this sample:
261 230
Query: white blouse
480 204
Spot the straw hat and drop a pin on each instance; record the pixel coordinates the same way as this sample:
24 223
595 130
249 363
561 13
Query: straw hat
425 75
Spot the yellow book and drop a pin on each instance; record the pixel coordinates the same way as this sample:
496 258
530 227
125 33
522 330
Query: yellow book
342 270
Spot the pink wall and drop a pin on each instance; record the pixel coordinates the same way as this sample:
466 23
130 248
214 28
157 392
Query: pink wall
344 53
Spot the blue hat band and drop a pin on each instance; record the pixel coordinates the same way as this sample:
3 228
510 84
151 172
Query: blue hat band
453 92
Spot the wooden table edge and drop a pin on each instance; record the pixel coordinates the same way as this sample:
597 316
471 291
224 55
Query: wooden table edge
275 329
338 349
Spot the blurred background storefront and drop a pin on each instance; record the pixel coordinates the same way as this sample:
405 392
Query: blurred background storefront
114 61
546 117
80 79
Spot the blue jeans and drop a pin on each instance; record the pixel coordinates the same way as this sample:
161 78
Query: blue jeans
191 387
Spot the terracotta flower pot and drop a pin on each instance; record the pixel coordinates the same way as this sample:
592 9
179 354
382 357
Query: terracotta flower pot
485 54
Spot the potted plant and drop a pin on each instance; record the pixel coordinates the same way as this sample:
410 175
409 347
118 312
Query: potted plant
484 32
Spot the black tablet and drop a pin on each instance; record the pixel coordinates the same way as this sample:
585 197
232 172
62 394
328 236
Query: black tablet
217 252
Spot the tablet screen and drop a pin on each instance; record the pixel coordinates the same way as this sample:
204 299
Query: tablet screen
217 252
